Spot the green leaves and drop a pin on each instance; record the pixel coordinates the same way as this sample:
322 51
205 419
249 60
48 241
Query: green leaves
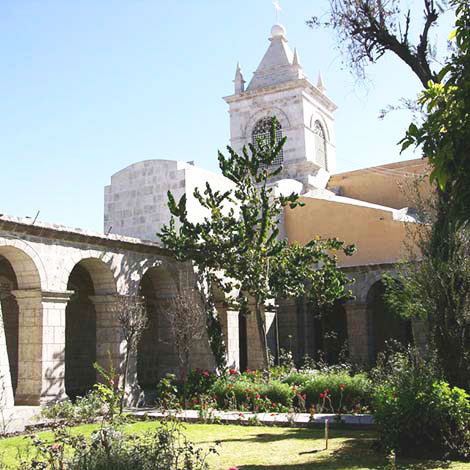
239 245
444 134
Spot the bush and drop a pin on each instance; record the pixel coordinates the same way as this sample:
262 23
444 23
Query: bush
85 409
350 393
416 412
166 448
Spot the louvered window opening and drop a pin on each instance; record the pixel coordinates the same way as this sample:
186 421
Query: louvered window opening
261 133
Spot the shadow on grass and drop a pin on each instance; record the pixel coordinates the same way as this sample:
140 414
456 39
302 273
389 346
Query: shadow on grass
295 433
353 454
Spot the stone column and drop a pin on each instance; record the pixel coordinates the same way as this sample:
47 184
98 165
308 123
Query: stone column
6 389
230 329
30 342
54 305
255 346
109 341
358 332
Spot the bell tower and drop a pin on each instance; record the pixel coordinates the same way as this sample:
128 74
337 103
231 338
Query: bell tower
304 112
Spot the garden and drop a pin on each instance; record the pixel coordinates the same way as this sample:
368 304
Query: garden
420 422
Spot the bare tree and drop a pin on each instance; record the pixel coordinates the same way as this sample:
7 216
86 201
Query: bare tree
133 320
186 318
367 29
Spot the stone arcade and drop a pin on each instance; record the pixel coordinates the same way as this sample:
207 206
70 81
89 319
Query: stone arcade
58 286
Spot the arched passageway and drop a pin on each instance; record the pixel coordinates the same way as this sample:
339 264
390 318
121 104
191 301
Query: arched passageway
91 333
9 313
22 326
80 334
383 324
331 334
156 355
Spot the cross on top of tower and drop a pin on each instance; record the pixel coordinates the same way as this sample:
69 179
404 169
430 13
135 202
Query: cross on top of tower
277 9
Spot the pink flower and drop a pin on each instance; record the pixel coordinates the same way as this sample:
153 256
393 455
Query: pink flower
206 373
233 468
258 396
55 447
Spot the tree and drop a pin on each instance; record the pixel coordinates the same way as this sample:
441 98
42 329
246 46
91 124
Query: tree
367 29
444 134
186 318
436 291
237 246
370 28
133 320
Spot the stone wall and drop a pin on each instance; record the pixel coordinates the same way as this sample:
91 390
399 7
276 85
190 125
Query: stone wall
64 284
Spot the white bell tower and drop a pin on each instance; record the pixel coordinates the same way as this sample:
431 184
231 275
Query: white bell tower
305 114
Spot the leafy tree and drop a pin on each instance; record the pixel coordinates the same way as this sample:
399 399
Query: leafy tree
368 29
438 291
445 132
237 246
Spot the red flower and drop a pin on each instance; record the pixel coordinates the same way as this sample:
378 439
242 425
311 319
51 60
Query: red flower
206 373
322 395
258 396
273 405
327 390
195 401
342 386
232 371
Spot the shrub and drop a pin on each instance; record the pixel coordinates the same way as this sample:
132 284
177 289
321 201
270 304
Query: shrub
166 448
351 392
85 409
416 412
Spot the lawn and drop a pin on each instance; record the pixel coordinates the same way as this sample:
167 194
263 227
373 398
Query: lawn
271 448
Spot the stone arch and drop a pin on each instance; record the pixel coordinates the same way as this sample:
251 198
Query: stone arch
155 353
280 114
318 117
382 324
89 322
99 266
25 261
21 321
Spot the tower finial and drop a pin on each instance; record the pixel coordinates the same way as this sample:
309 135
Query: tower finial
239 81
320 84
296 61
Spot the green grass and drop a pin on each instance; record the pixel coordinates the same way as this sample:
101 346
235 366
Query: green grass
270 448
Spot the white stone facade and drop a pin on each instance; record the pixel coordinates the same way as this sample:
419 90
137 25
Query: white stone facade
279 88
136 201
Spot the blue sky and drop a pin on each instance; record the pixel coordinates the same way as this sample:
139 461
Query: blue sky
88 87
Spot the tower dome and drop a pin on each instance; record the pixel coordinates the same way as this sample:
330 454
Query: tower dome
278 31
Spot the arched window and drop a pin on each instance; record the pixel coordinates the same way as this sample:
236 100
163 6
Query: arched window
320 145
261 133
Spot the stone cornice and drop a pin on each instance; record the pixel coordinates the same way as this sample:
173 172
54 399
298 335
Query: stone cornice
290 85
21 227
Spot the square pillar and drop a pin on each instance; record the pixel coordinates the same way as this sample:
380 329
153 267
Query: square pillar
254 342
54 305
358 332
41 346
30 341
230 329
109 341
